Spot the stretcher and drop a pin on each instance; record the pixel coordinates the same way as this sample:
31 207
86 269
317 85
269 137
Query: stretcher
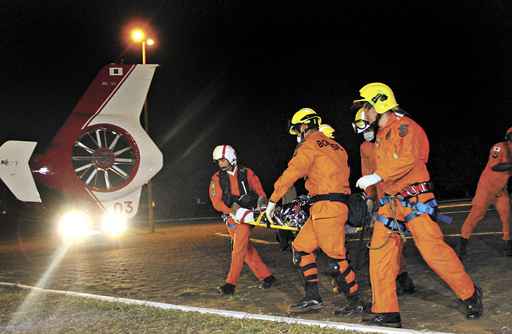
261 221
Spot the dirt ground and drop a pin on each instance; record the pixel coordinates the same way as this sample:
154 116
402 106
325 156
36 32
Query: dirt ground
183 263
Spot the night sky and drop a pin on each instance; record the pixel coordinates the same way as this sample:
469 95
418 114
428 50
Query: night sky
235 71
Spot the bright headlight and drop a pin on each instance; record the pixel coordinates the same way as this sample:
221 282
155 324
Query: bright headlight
74 225
114 224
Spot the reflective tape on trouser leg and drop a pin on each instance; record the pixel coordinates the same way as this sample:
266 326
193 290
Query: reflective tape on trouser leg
309 272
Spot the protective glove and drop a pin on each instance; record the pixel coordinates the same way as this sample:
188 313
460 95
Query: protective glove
262 202
269 211
368 180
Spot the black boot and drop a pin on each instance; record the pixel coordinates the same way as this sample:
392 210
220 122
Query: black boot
354 305
474 306
463 243
404 284
384 319
508 248
267 282
226 289
311 302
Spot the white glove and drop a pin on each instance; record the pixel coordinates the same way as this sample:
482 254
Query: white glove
269 211
368 180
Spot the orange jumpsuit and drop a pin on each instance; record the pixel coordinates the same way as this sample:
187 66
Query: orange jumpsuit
401 160
491 189
243 250
368 166
324 162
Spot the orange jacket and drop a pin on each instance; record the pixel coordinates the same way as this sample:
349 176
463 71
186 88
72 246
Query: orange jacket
496 181
323 161
367 152
216 189
402 151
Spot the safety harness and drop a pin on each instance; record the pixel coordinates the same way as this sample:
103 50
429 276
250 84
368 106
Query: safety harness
417 208
245 191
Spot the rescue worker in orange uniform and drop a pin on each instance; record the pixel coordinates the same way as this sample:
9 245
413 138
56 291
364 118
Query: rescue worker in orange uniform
235 191
408 203
329 132
491 189
323 162
405 284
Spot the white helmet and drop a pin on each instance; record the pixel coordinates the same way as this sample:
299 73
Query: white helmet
224 152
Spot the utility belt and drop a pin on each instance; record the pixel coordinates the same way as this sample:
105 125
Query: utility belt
416 189
333 197
417 208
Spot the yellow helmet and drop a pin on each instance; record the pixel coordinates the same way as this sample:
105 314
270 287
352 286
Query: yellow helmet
303 116
327 130
360 123
379 95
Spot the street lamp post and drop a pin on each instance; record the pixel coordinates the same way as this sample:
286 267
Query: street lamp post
139 36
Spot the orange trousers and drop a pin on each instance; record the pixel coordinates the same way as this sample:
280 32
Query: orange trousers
481 202
244 251
402 262
324 229
385 250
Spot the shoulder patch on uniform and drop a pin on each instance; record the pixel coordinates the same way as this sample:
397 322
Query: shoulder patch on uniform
403 130
212 189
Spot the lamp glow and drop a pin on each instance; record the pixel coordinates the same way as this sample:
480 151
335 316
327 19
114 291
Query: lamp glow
74 225
138 35
114 224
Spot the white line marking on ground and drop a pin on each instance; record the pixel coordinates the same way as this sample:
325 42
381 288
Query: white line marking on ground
441 206
259 241
465 211
454 205
227 313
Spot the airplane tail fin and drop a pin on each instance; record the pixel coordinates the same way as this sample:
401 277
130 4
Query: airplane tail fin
15 171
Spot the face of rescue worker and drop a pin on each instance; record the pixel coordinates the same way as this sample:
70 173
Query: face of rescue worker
224 164
302 128
371 114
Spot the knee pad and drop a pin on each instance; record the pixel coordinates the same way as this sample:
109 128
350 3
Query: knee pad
333 266
297 256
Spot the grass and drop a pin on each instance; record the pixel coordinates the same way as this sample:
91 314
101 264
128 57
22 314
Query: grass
51 313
